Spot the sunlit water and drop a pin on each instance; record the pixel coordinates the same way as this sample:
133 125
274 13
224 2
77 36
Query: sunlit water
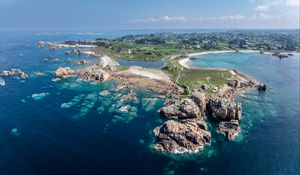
73 127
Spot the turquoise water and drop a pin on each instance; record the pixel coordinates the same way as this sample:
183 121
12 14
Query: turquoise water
73 127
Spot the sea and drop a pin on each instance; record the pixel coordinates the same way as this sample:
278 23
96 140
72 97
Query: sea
72 127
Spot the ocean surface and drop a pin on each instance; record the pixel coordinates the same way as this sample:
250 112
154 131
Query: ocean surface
73 127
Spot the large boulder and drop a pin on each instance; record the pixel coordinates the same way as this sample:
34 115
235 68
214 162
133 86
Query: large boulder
183 109
230 129
65 72
180 137
222 109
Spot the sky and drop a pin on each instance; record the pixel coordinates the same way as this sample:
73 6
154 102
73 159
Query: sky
148 14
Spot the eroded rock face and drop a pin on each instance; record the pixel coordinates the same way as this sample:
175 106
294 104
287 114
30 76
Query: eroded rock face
179 137
222 109
65 72
230 129
95 74
184 109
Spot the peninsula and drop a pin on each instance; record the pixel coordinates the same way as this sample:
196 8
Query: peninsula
193 96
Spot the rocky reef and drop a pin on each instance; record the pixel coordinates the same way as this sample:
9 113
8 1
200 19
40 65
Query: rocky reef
13 72
181 136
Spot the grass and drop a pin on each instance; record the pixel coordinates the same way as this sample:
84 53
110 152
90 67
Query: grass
191 79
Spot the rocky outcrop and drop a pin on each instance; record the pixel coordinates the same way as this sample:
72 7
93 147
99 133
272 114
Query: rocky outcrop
23 75
13 72
222 109
182 109
191 107
94 74
199 98
180 137
230 129
65 72
262 87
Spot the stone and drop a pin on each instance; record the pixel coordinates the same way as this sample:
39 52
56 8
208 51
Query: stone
186 136
222 109
230 129
183 109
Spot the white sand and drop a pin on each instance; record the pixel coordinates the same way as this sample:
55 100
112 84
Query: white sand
150 73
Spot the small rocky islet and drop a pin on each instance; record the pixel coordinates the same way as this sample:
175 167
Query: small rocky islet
185 129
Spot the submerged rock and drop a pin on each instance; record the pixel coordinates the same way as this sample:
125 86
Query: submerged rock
183 109
222 109
180 137
230 129
39 96
65 72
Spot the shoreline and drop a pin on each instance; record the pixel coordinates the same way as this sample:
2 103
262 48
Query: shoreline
185 61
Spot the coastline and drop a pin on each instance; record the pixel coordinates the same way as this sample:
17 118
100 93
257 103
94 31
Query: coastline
185 61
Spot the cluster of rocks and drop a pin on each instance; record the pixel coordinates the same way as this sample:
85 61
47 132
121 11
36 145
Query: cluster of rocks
80 62
94 74
65 72
224 109
14 71
74 51
230 129
228 113
188 135
187 131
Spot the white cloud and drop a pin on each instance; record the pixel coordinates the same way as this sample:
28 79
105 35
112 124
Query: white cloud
262 8
182 19
157 20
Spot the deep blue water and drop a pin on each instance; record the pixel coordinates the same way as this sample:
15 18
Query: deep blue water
92 137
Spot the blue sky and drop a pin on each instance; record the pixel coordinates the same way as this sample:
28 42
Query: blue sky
148 14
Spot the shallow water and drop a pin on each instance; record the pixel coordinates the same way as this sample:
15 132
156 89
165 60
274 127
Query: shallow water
77 128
